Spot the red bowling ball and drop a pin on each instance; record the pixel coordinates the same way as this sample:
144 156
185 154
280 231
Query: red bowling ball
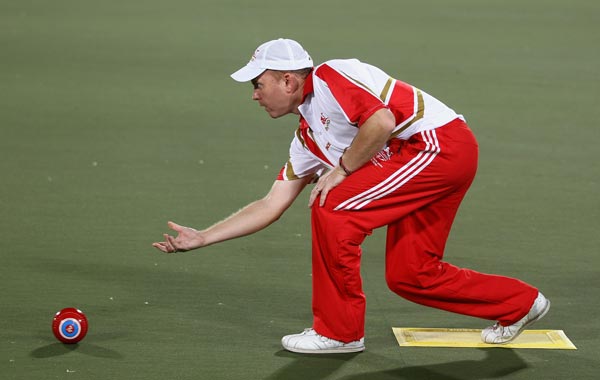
69 325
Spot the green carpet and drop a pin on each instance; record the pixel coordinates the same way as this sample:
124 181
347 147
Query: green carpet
116 116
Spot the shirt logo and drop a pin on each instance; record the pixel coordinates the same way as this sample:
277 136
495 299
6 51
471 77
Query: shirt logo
381 157
325 121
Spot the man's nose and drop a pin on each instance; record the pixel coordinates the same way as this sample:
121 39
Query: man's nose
255 95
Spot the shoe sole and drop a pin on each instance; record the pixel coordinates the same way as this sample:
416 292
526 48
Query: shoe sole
344 350
530 322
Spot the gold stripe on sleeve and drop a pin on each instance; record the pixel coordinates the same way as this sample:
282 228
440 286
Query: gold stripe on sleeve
358 82
300 138
386 89
289 171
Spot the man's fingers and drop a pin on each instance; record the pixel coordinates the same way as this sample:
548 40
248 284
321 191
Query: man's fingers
174 226
313 195
161 246
158 246
169 243
311 199
324 193
172 242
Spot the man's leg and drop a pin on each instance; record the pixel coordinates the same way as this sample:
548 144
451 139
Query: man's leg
338 298
415 270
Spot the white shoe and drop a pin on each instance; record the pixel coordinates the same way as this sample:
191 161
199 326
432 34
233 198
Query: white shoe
498 334
309 342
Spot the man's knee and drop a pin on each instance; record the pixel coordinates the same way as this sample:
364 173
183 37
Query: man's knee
414 275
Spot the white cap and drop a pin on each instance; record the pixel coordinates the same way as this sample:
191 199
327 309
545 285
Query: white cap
281 54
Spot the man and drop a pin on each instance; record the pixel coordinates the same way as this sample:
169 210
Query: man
385 154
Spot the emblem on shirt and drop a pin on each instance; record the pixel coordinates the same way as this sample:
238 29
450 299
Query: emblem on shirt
381 157
325 121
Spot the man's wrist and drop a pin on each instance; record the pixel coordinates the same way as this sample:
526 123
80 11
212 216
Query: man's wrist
344 168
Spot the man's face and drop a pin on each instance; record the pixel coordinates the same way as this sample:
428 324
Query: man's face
272 92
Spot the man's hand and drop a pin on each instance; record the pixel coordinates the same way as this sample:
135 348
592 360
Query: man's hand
325 184
371 138
187 239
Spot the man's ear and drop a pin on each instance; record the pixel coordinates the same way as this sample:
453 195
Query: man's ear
291 82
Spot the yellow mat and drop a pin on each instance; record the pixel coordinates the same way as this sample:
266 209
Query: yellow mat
437 337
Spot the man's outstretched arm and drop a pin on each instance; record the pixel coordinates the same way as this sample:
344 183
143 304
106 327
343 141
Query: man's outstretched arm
250 219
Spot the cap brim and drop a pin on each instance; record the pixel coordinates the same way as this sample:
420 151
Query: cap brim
246 73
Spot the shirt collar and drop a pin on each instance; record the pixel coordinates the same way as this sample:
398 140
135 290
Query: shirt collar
308 86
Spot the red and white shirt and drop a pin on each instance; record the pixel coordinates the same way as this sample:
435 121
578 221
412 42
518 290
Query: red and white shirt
339 96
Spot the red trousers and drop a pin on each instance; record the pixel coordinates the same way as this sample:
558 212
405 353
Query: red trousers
415 190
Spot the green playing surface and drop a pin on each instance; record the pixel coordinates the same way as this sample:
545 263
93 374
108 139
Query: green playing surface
116 116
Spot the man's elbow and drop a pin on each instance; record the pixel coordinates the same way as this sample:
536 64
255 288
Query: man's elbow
388 121
273 208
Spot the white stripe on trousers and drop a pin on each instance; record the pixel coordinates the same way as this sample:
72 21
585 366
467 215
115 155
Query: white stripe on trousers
399 177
